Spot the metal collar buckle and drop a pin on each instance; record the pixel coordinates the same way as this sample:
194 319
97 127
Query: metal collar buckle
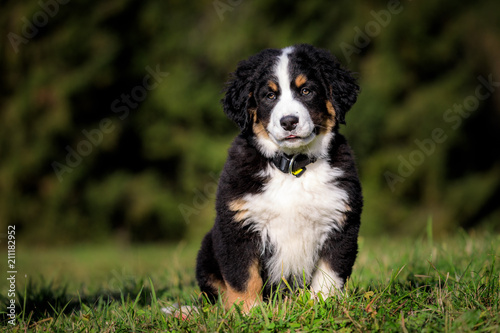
294 165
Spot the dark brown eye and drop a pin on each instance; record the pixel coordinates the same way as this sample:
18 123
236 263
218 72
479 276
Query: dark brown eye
305 91
271 96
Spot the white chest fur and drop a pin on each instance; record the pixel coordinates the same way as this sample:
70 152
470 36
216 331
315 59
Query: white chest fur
295 216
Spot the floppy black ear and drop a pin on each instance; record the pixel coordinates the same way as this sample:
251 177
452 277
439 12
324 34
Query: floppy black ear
240 89
340 85
344 93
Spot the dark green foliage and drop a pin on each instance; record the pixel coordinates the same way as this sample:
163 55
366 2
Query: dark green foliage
133 88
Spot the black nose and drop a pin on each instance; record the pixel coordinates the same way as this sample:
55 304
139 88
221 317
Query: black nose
289 122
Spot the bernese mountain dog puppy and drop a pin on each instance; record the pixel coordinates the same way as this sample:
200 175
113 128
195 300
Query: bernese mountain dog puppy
289 198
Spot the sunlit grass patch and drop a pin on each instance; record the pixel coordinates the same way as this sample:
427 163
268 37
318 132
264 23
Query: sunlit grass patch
452 284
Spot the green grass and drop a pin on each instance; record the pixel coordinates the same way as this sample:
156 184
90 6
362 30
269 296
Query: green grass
401 285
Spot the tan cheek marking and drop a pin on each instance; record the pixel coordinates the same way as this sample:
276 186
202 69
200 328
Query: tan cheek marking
330 108
258 127
330 123
252 293
300 80
253 114
259 130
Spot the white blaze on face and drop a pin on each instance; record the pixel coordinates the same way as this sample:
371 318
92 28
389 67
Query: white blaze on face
287 105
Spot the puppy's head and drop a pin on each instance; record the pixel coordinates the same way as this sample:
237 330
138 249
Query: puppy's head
290 100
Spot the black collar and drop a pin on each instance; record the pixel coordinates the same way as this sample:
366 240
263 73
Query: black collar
295 164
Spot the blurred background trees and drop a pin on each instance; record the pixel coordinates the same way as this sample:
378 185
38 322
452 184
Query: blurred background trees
111 127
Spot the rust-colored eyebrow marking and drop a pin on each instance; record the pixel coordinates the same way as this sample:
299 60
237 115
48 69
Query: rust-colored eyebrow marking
273 86
300 80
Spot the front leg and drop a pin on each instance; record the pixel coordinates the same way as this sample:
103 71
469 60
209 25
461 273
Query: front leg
337 259
248 291
239 266
326 281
